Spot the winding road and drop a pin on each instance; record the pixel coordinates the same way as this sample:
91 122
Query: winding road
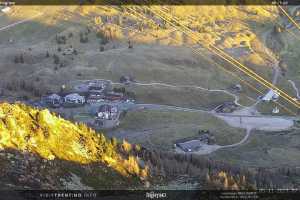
295 88
248 132
139 83
207 149
236 101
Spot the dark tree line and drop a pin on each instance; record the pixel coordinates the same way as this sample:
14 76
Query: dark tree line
169 166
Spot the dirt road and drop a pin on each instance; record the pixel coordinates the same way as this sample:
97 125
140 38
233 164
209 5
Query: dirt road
165 108
295 88
248 132
19 22
207 149
236 101
139 83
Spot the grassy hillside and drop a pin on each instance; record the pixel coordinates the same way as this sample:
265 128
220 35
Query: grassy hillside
161 129
159 54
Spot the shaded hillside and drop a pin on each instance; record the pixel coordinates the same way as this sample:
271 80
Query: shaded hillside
20 170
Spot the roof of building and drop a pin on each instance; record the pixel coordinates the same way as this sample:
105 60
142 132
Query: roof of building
69 51
82 88
96 87
192 145
74 96
95 97
270 95
108 108
54 96
116 94
97 83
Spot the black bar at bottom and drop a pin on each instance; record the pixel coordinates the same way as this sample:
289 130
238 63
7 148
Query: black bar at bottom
150 194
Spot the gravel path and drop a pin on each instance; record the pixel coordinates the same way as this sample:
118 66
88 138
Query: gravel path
236 101
207 149
19 22
295 88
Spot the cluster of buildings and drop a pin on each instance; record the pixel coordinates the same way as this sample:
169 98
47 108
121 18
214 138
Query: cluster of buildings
89 92
97 93
107 116
69 100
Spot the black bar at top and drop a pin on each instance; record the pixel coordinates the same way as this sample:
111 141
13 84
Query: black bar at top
150 2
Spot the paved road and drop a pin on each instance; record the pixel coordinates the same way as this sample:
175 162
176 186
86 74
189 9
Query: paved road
236 119
239 119
265 123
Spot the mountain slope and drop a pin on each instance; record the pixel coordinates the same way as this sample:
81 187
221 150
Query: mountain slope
49 138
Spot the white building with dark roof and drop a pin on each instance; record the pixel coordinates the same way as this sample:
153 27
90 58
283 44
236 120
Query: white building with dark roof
271 96
190 146
53 100
74 99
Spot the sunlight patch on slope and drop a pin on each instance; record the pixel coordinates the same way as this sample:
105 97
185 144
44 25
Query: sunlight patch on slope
26 129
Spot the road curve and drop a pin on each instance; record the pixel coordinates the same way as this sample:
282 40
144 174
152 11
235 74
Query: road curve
236 98
295 88
207 149
248 132
139 83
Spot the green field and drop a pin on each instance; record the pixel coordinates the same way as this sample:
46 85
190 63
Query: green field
160 129
148 61
183 97
264 149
